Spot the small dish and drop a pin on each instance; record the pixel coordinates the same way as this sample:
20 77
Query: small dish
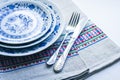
23 21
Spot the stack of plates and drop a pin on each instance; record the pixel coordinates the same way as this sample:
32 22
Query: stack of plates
28 26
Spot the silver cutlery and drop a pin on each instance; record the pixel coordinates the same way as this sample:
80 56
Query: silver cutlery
71 26
61 61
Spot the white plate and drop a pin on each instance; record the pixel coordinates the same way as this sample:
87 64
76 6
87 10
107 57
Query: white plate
23 21
44 44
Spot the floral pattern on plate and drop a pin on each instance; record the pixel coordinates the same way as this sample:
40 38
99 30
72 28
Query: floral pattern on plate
23 21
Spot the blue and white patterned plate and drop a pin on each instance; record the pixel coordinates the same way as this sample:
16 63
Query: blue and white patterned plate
51 29
22 21
59 27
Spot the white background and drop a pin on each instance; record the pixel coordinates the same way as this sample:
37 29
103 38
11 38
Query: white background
106 15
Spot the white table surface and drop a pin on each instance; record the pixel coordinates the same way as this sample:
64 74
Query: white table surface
106 15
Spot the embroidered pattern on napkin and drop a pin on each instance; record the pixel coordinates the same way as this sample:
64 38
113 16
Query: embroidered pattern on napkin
89 36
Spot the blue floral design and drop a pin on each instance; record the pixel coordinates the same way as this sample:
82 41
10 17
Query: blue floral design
42 44
11 6
15 28
26 20
31 6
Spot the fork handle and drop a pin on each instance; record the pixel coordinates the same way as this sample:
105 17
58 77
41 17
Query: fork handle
53 58
60 63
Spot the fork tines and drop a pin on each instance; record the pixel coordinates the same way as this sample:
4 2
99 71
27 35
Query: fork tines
74 19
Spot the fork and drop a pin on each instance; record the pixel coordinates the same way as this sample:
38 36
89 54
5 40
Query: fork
71 26
78 28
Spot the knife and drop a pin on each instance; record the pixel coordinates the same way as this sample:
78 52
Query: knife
61 61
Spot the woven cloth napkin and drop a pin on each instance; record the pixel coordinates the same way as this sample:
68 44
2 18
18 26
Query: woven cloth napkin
91 51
